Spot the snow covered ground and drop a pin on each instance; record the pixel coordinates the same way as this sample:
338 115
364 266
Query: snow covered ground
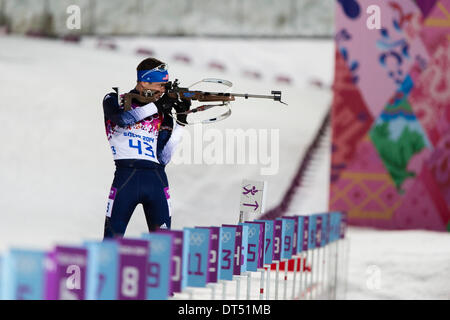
56 167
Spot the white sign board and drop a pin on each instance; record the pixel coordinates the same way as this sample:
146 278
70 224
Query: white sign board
252 197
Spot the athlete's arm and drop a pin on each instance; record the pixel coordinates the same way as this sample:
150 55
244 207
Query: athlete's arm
174 140
123 118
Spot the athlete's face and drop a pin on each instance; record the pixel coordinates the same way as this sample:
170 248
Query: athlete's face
157 87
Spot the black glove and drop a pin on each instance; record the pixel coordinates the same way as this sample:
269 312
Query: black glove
165 103
182 106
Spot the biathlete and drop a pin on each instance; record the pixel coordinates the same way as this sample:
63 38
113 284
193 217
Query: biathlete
142 142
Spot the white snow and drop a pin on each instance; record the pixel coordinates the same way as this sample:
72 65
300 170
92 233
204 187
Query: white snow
56 167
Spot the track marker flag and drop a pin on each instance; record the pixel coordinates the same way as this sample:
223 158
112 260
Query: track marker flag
133 261
268 240
312 232
300 233
337 225
294 233
195 255
213 261
23 275
255 245
325 229
287 228
318 230
306 230
277 236
102 272
226 252
65 269
244 247
159 265
237 259
177 259
333 220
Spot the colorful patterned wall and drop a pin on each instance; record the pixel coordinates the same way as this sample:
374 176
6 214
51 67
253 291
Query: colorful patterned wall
390 165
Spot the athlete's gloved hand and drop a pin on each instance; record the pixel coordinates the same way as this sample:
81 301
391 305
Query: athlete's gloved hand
165 103
182 106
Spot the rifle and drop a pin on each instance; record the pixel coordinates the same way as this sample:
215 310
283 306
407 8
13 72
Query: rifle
175 91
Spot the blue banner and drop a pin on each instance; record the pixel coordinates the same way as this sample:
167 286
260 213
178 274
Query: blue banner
226 250
23 275
300 233
254 248
102 271
325 229
244 247
159 267
312 232
195 254
336 227
287 240
295 233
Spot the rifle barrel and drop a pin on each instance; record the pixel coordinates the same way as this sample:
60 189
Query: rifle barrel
243 95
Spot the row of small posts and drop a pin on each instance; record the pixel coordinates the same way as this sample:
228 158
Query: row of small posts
170 264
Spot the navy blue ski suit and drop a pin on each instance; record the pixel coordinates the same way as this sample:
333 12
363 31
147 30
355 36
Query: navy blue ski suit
140 143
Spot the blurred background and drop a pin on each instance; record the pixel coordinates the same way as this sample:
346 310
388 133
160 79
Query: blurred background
59 58
175 18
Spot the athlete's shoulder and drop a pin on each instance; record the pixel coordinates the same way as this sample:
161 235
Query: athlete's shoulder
110 95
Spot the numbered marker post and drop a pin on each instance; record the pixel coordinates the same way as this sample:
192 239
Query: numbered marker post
252 202
102 272
319 220
324 246
255 252
339 255
177 260
23 275
311 247
227 252
237 259
268 251
213 261
277 238
244 248
303 261
344 252
298 268
159 265
287 242
294 251
255 255
195 254
244 251
335 233
133 255
66 273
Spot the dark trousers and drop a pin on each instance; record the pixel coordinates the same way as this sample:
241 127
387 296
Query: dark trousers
134 185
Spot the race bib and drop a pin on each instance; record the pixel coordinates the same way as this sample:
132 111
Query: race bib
138 141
